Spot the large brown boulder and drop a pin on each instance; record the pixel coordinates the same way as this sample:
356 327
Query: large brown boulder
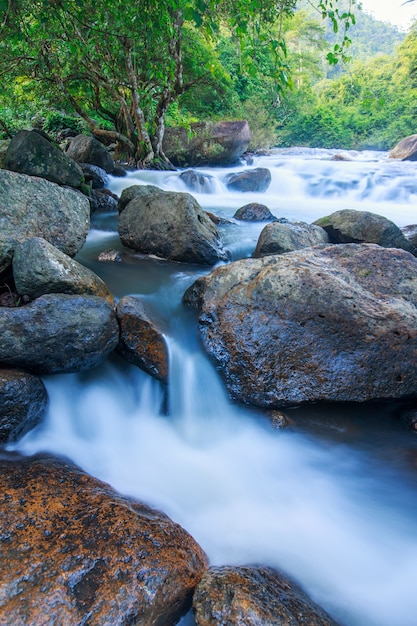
332 323
141 341
23 401
74 551
406 149
207 143
350 226
168 224
29 152
254 596
58 333
34 207
86 149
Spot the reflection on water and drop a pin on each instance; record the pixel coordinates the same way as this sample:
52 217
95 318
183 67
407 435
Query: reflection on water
333 499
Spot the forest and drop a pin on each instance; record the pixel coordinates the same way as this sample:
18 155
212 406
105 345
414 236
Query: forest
319 73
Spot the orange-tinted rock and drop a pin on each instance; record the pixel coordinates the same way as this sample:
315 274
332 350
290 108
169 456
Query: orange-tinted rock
74 551
254 596
141 342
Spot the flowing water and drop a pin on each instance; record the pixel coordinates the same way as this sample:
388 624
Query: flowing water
332 501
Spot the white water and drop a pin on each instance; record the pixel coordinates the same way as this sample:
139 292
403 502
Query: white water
333 505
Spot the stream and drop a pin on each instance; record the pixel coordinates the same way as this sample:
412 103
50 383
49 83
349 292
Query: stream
332 500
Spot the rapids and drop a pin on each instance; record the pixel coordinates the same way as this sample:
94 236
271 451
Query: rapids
332 501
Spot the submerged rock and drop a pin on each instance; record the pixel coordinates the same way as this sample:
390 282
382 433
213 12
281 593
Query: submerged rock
278 238
169 225
58 333
257 179
23 401
254 596
78 552
198 182
254 212
141 342
34 207
350 226
333 323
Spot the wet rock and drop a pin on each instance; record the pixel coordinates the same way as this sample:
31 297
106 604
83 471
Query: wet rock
40 268
103 201
340 157
58 333
254 212
196 181
279 420
31 153
119 171
94 175
411 233
333 323
254 596
350 226
85 149
406 149
257 179
169 225
78 552
34 207
110 255
208 143
23 401
278 238
141 341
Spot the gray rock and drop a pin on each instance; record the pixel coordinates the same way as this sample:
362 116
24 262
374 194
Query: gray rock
169 225
254 212
198 182
254 596
207 143
23 401
333 323
29 152
58 333
40 268
278 238
95 175
410 232
110 255
350 226
102 201
34 207
141 341
85 149
406 149
257 179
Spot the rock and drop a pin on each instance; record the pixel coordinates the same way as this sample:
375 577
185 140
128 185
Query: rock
409 417
207 143
58 333
406 149
110 255
119 171
257 179
170 225
85 149
23 401
4 144
350 226
102 201
40 268
198 182
340 157
30 153
77 552
254 596
411 233
34 207
278 238
279 420
332 323
141 342
254 212
94 175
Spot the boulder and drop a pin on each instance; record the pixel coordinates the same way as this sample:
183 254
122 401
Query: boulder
410 232
94 175
207 143
58 333
331 323
169 225
102 201
257 179
34 207
40 268
254 212
406 149
198 182
77 552
85 149
350 226
31 153
278 238
141 341
254 596
23 401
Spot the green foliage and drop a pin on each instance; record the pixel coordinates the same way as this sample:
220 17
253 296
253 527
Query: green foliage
57 120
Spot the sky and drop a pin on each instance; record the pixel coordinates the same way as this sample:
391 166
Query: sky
393 11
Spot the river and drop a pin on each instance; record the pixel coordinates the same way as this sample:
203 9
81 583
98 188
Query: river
332 500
